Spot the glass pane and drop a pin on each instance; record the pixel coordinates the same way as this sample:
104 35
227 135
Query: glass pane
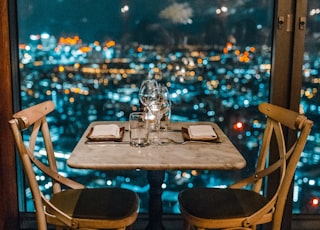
307 181
90 56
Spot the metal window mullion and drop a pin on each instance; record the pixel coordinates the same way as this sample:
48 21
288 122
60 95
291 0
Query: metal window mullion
286 77
298 53
282 52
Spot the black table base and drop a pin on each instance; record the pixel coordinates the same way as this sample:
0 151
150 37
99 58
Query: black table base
155 179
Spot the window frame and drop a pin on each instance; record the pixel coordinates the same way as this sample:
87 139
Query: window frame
286 71
287 58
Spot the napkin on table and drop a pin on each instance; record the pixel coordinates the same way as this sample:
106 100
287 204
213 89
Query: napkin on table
201 131
103 131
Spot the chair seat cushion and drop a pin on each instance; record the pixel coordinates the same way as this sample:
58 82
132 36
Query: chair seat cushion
216 203
97 203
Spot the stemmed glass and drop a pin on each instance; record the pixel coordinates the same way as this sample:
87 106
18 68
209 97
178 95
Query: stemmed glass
149 96
160 109
165 106
155 98
149 92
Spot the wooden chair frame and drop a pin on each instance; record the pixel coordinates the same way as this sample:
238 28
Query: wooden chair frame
34 118
285 166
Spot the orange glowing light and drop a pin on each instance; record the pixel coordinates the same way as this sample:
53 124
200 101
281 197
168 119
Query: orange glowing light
110 43
229 45
70 40
194 173
225 50
22 46
139 49
238 126
252 49
315 202
77 65
85 49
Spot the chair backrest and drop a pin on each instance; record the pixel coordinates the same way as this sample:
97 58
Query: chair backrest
33 120
288 157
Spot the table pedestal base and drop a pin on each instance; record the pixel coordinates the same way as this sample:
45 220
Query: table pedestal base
155 179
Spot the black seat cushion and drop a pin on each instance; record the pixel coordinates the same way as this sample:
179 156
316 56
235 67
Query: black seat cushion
216 203
97 203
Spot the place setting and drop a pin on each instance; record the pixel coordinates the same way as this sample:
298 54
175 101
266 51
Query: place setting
106 133
151 125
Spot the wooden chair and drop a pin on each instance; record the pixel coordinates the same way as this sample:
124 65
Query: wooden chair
238 207
76 207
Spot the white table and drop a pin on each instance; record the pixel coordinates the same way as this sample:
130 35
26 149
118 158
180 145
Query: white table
191 155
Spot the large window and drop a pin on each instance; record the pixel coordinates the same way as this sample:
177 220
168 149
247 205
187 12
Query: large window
307 182
90 57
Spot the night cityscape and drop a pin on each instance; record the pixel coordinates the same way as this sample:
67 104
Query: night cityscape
222 82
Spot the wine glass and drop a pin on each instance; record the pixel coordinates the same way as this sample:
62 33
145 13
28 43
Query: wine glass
155 99
165 106
161 110
149 92
149 96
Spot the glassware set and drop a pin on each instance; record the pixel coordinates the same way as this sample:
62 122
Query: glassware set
156 103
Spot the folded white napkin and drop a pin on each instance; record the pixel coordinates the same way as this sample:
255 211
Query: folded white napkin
103 131
201 131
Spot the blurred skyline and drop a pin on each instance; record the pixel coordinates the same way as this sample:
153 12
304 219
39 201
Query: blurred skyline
140 21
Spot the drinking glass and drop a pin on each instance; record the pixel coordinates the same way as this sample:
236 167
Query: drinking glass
139 129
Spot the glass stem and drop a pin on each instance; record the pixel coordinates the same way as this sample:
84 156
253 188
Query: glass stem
158 130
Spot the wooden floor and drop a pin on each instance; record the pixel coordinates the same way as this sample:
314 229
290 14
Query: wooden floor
170 222
174 222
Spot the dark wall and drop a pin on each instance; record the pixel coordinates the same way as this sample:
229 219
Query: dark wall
8 186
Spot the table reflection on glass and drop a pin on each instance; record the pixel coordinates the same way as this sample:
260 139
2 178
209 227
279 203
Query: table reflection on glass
175 155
